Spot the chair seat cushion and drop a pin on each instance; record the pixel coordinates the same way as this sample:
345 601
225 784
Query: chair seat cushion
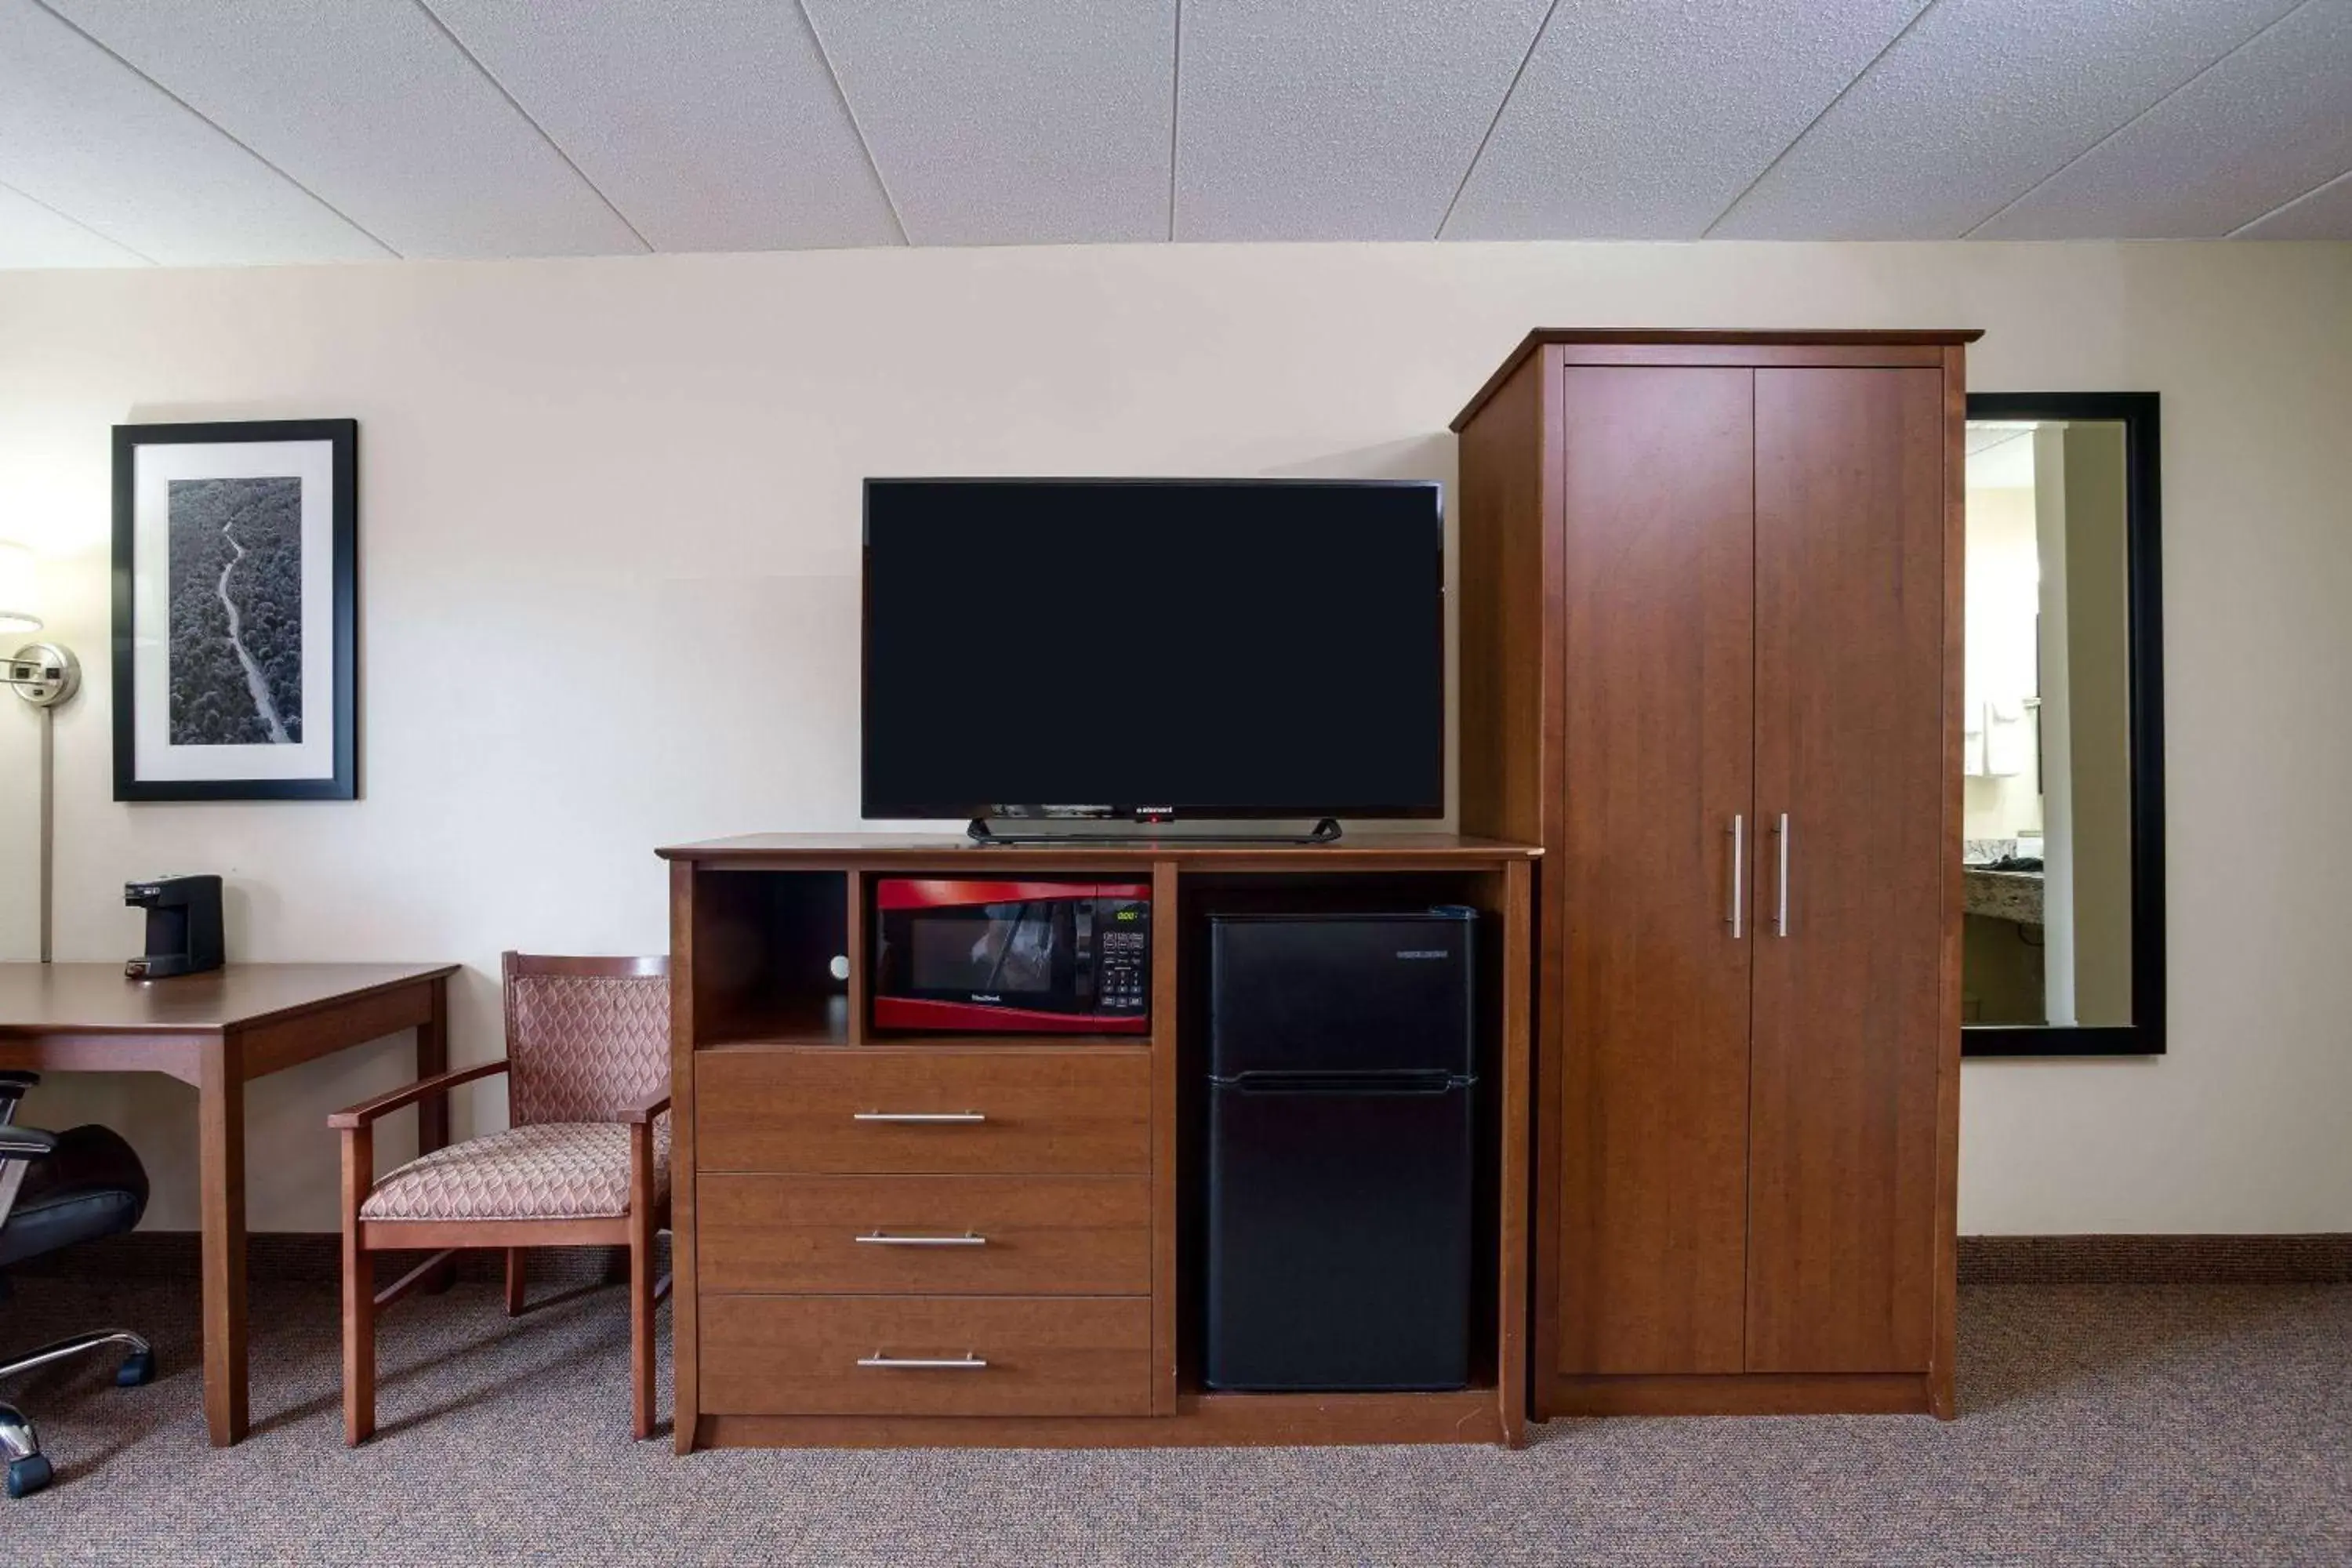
91 1184
543 1170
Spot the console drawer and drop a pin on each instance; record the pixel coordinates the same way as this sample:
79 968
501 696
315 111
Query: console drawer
1021 1236
848 1355
924 1110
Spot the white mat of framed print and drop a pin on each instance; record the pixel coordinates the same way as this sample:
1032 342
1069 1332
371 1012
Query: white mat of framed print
233 610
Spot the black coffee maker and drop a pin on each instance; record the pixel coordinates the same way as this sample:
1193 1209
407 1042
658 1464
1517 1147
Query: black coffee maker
184 925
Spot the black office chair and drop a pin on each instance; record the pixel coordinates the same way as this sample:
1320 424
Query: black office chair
55 1189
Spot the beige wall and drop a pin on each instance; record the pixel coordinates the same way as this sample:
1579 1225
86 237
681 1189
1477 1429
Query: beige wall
609 536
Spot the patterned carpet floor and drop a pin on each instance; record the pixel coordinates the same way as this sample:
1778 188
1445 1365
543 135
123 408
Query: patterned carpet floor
2100 1424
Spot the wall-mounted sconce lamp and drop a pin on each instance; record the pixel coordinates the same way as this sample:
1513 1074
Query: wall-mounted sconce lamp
43 674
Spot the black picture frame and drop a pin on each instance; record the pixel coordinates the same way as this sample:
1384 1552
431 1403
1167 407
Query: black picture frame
342 435
2137 411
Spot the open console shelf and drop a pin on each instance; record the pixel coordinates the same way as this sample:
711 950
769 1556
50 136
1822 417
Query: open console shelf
892 1237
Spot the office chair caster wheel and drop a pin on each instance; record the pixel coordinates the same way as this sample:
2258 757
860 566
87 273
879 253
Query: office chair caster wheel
137 1370
28 1475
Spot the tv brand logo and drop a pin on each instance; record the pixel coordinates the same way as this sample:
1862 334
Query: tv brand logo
1424 953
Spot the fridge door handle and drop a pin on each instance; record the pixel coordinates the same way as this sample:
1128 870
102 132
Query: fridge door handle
1394 1085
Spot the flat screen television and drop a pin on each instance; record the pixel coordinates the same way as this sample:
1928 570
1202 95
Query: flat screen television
1148 649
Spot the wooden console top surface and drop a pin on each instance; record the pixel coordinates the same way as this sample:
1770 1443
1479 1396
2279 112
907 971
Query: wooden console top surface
830 851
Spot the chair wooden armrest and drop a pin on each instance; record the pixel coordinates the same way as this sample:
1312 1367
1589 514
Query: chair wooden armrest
647 1110
367 1111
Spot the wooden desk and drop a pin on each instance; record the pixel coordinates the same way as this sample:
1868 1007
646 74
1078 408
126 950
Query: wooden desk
219 1031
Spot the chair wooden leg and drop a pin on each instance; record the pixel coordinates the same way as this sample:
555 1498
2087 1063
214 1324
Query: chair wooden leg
514 1282
359 1293
641 1333
641 1282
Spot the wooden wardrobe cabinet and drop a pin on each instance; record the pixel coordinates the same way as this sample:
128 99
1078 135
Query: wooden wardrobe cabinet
1710 634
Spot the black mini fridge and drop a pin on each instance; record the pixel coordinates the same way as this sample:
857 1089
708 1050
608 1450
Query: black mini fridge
1340 1151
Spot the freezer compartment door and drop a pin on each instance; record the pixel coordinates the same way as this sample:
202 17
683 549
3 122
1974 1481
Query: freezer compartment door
1340 994
1339 1234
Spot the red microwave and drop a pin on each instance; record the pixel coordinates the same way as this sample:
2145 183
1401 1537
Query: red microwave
1044 957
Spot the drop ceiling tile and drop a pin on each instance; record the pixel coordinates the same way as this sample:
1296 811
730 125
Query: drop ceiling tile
1335 120
33 236
1642 121
84 134
713 124
2323 214
2256 130
372 107
1013 122
1976 102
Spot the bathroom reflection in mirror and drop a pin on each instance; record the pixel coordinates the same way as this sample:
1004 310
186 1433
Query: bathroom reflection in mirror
2062 750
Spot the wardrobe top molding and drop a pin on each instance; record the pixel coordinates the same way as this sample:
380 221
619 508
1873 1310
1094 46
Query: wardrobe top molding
933 852
1673 346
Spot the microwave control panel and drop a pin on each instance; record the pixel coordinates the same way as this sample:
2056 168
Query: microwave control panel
1122 956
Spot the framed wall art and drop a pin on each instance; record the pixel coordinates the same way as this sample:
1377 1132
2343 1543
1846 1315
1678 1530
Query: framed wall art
236 607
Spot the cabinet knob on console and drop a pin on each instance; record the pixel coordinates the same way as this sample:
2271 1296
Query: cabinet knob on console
969 1238
964 1363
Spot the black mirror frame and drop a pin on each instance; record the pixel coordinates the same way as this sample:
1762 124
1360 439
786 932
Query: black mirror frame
2144 568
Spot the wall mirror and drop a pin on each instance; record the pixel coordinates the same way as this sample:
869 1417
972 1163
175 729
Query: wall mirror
2062 741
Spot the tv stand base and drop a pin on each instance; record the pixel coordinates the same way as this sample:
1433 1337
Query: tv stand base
1326 831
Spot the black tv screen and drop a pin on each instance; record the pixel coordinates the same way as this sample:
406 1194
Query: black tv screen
1211 648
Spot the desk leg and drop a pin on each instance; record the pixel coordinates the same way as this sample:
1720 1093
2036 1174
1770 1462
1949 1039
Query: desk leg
433 1111
221 1143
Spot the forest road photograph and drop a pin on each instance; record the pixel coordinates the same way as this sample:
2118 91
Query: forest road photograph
235 575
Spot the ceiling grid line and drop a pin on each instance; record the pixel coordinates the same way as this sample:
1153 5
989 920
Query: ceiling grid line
99 44
1175 115
858 127
2318 190
1502 104
122 246
533 121
2178 87
1778 158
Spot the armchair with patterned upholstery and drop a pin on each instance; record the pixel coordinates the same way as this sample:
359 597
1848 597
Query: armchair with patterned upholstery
584 1161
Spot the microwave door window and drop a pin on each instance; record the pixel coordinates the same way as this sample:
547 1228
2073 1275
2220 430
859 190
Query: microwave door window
998 950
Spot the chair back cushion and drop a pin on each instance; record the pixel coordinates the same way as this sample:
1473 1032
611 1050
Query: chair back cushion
584 1046
91 1184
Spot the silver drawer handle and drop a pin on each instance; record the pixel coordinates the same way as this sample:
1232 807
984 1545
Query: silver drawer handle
929 1117
965 1362
969 1238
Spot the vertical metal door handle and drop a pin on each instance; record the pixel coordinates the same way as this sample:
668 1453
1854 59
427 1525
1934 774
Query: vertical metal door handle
1780 911
1738 871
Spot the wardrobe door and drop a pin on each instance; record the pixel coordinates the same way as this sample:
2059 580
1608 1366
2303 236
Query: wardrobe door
1657 476
1848 907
